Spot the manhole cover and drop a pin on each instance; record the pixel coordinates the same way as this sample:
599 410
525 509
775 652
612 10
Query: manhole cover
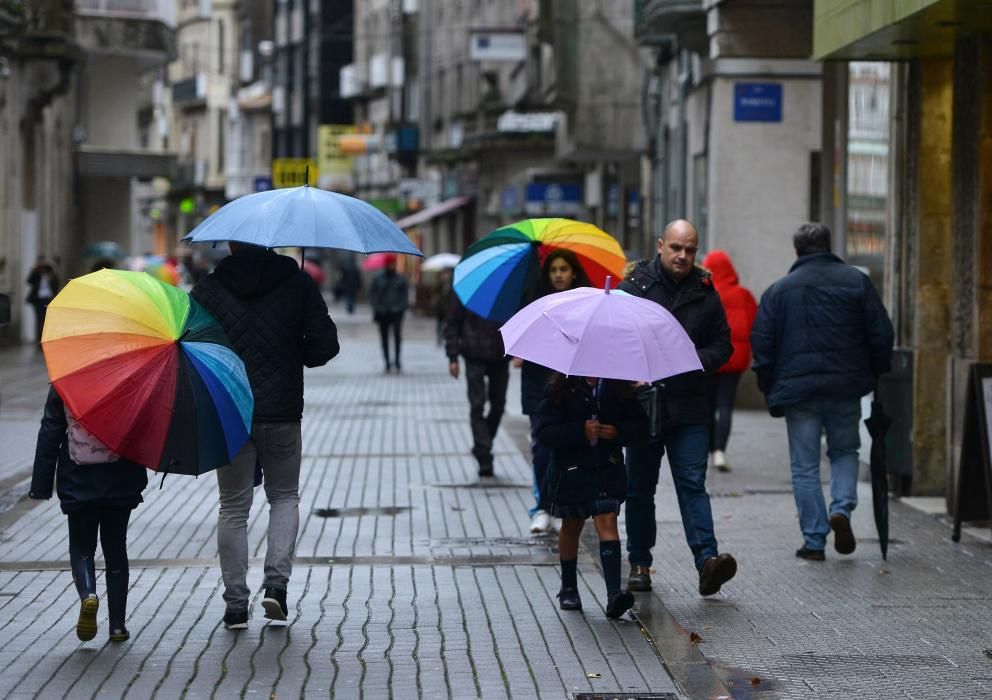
353 512
625 696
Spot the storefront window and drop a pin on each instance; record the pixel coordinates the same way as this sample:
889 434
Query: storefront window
868 167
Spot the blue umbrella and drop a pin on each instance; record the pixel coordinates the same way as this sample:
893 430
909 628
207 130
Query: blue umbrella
304 217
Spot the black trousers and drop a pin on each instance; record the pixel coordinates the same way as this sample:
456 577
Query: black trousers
111 524
486 380
387 321
723 391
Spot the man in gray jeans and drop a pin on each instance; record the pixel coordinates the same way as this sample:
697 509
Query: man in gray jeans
278 324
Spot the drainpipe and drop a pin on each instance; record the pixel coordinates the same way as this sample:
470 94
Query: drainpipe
681 148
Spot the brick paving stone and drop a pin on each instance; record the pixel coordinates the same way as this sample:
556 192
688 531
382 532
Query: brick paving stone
448 597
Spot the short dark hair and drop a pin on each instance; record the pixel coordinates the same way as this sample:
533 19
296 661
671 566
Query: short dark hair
811 238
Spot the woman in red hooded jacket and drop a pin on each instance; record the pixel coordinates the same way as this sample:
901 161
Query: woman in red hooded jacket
741 311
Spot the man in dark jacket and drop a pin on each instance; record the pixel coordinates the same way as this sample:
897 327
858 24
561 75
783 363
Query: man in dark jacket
673 281
821 340
480 343
277 322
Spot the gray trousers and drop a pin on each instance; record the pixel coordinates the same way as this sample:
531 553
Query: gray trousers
278 447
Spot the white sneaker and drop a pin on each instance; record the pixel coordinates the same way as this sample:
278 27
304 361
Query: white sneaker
555 525
720 461
541 523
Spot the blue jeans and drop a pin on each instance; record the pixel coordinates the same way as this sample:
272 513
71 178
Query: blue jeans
540 463
806 422
688 451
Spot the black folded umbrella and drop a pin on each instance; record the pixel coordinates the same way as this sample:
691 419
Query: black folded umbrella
878 425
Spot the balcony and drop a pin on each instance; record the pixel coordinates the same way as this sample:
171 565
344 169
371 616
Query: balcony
163 11
100 161
144 29
656 20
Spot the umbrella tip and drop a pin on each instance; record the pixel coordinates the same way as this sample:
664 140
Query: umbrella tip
607 287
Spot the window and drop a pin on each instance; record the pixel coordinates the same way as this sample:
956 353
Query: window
220 46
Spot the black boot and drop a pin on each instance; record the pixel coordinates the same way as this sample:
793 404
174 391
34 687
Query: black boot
117 604
84 576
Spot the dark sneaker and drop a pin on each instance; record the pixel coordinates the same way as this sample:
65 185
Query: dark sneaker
120 633
619 603
716 571
568 599
274 603
843 535
236 619
639 578
810 554
486 469
86 624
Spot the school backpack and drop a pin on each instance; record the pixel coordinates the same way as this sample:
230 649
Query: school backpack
84 448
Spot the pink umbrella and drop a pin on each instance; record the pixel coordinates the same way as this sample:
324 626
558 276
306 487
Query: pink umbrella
376 261
590 332
314 270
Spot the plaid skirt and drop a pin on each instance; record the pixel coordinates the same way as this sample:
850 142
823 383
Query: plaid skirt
586 510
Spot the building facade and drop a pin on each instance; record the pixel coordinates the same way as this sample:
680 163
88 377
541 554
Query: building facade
937 245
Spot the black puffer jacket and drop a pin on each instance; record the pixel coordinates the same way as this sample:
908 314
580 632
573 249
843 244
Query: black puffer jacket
471 336
79 486
579 472
277 322
696 305
821 333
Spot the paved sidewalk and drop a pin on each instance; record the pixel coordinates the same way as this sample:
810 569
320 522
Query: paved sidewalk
412 578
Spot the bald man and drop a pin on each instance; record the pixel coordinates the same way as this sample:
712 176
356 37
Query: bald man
672 280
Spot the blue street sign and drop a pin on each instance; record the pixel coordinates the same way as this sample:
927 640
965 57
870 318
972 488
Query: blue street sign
262 183
757 102
552 198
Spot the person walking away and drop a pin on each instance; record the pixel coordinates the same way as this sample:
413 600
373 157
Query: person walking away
672 280
277 322
741 308
350 281
821 340
585 422
441 300
43 285
388 296
487 374
97 492
559 272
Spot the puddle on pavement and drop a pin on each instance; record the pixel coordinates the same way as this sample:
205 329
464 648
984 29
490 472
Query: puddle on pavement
744 685
487 484
354 512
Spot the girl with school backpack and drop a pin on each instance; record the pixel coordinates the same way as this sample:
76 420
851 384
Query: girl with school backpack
97 491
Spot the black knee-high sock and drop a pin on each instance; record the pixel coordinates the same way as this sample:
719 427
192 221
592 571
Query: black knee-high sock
569 575
609 555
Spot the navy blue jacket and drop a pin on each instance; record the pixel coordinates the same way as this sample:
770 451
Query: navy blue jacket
821 333
79 486
581 473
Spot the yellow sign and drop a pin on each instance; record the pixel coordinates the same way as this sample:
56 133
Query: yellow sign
335 165
292 172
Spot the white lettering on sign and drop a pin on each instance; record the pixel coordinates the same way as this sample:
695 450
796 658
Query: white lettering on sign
758 102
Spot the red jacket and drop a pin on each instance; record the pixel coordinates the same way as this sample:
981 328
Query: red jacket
739 305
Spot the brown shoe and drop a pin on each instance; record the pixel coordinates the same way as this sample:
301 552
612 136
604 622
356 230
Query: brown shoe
639 579
716 571
844 541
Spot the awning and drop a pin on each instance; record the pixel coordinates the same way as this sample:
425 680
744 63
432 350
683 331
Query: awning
425 215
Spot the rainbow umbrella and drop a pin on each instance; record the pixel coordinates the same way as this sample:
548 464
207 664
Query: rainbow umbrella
148 371
499 270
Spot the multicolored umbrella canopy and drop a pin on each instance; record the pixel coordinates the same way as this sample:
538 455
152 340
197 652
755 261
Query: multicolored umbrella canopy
148 371
501 269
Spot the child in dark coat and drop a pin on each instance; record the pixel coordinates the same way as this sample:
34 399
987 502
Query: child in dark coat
585 422
97 498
